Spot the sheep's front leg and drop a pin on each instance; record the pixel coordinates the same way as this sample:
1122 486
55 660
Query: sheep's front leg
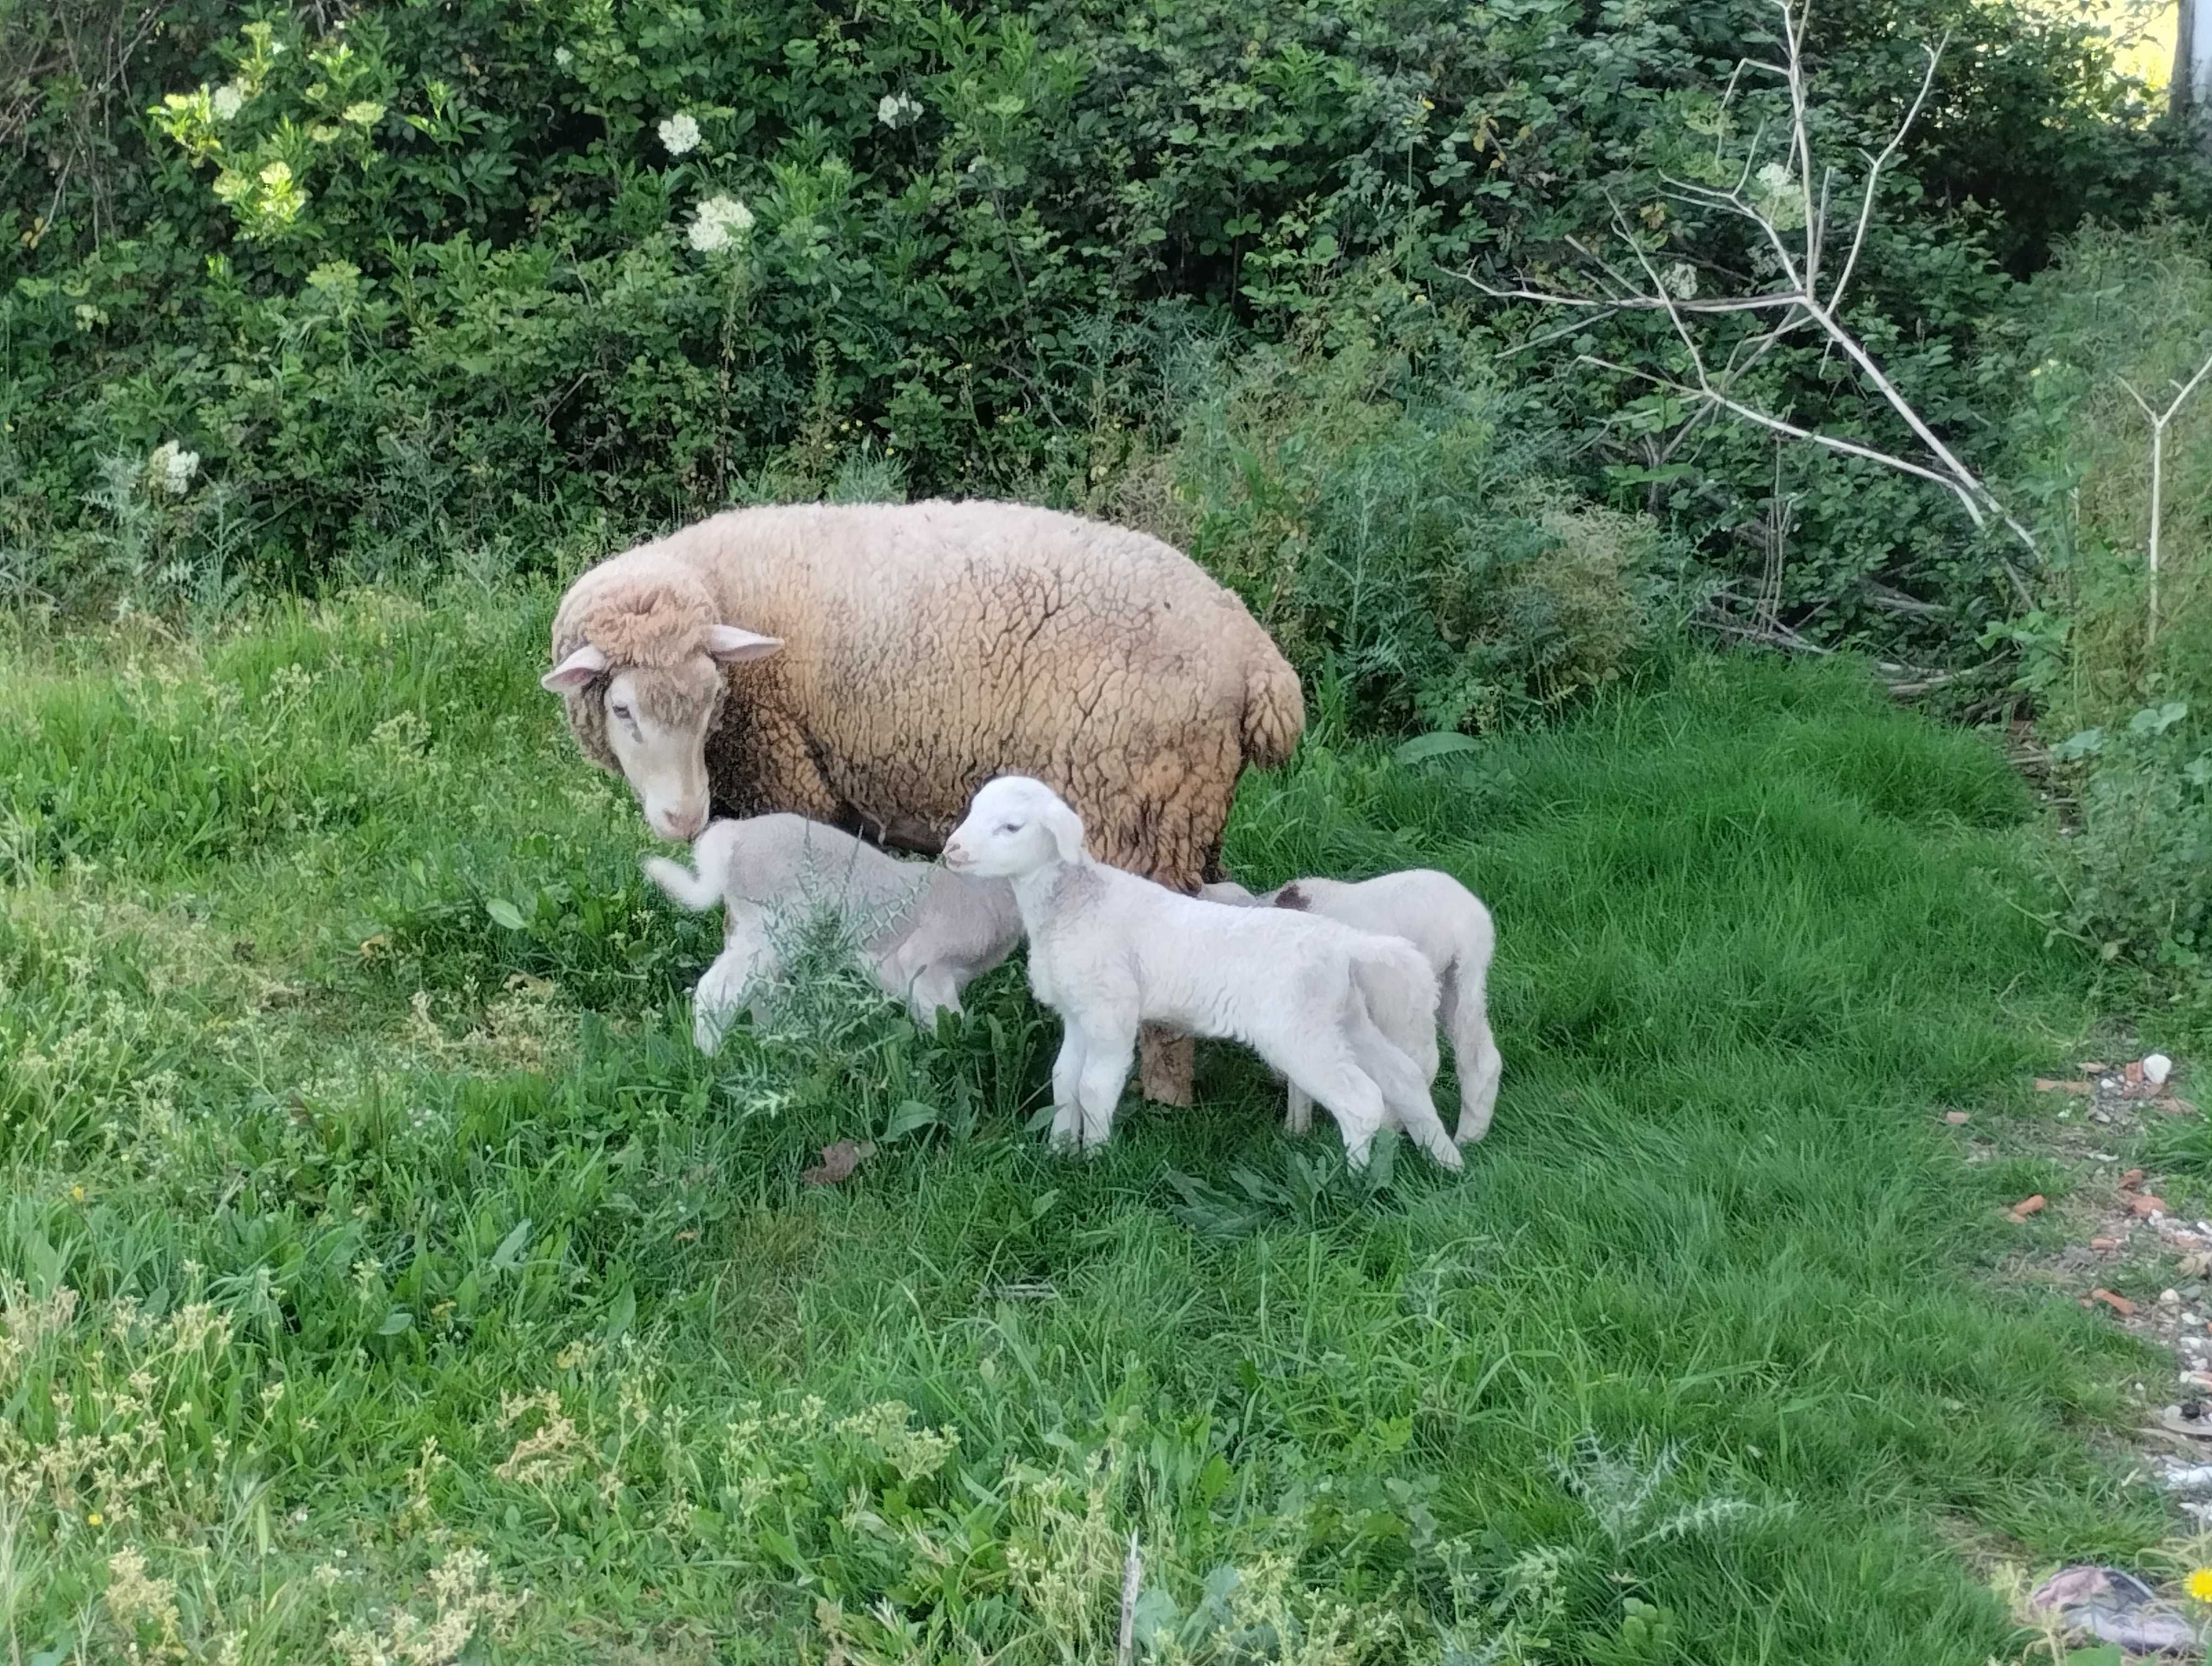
1067 1085
1298 1119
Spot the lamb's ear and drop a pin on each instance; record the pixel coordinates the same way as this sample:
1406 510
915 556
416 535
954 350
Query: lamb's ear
732 645
578 669
1067 829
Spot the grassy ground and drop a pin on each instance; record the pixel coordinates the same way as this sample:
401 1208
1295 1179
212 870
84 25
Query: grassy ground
386 1270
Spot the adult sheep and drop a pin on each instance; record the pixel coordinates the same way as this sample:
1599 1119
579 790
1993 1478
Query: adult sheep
871 666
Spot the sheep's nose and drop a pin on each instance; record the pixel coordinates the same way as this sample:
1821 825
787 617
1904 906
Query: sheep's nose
956 856
684 823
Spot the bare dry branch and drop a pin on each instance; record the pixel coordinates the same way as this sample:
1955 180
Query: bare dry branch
1797 301
2158 420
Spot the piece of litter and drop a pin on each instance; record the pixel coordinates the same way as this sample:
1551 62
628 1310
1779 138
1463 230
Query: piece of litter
2131 1071
2156 1067
2025 1207
1955 1118
2177 1419
839 1159
2112 1604
2047 1085
2104 1243
2174 1107
2131 1180
2092 1068
2119 1304
2146 1203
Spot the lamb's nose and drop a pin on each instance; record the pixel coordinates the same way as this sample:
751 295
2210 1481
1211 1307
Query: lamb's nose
685 825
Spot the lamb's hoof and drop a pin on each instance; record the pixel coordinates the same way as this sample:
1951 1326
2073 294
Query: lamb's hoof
1447 1156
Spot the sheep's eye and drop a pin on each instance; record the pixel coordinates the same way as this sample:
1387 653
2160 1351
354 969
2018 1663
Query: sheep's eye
620 711
1010 827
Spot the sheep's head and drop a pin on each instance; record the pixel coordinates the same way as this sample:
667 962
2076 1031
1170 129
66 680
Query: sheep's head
1015 825
643 701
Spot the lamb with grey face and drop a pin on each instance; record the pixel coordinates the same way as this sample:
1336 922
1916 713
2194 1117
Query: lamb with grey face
923 934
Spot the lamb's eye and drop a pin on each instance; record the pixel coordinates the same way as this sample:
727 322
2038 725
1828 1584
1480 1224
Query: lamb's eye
1010 827
620 711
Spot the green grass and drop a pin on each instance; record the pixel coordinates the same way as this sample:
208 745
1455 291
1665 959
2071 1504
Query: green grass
424 1284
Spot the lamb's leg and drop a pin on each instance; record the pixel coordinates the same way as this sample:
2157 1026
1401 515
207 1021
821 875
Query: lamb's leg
1067 1080
1298 1119
1404 1088
724 989
1106 1061
1323 1065
934 990
1131 832
1475 1052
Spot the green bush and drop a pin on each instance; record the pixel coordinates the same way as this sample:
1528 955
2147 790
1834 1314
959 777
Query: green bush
1385 506
2125 704
428 281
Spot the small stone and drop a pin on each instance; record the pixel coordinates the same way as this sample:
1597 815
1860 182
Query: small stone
2074 1255
2104 1243
2100 1116
2131 1179
2156 1067
2147 1203
2169 1298
1956 1118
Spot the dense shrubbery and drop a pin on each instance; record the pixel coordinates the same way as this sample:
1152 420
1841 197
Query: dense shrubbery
422 278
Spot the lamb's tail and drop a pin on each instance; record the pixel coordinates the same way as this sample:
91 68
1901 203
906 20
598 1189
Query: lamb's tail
1274 705
1400 987
712 851
693 890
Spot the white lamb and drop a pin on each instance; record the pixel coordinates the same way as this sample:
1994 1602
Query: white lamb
1109 951
1449 924
926 934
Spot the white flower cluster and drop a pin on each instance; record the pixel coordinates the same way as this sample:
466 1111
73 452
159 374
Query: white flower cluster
564 57
680 133
173 467
229 99
896 110
1679 281
719 221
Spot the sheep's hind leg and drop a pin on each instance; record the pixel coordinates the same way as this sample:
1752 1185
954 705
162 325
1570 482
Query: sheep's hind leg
1167 1061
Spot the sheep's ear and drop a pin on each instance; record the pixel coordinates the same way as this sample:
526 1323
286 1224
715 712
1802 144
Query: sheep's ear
1067 829
578 669
732 645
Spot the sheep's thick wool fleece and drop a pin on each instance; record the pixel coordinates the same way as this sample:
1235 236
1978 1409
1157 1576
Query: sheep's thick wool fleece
931 646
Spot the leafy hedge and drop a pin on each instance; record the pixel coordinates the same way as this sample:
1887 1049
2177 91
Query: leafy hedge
411 280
